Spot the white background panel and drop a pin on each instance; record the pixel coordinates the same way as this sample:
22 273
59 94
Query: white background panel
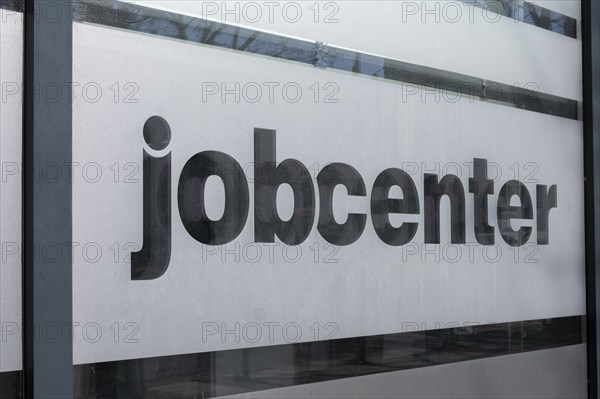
372 289
11 66
457 37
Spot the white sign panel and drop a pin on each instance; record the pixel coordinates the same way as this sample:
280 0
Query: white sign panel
176 148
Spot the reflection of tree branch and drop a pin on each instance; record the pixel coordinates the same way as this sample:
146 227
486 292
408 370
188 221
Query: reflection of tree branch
213 36
379 72
235 38
538 19
277 54
249 41
284 48
357 63
185 26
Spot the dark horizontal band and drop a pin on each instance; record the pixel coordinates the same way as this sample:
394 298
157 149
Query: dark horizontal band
247 370
11 384
529 13
12 5
197 30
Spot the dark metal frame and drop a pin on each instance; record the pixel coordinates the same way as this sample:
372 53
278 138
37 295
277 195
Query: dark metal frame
47 140
591 130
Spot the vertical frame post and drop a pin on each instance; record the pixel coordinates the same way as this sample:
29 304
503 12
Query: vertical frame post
47 140
591 126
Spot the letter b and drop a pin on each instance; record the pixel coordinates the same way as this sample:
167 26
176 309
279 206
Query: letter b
267 179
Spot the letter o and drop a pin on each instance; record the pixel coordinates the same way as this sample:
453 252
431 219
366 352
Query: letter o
190 193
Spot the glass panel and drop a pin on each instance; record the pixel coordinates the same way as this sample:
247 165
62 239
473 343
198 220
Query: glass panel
11 78
266 209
